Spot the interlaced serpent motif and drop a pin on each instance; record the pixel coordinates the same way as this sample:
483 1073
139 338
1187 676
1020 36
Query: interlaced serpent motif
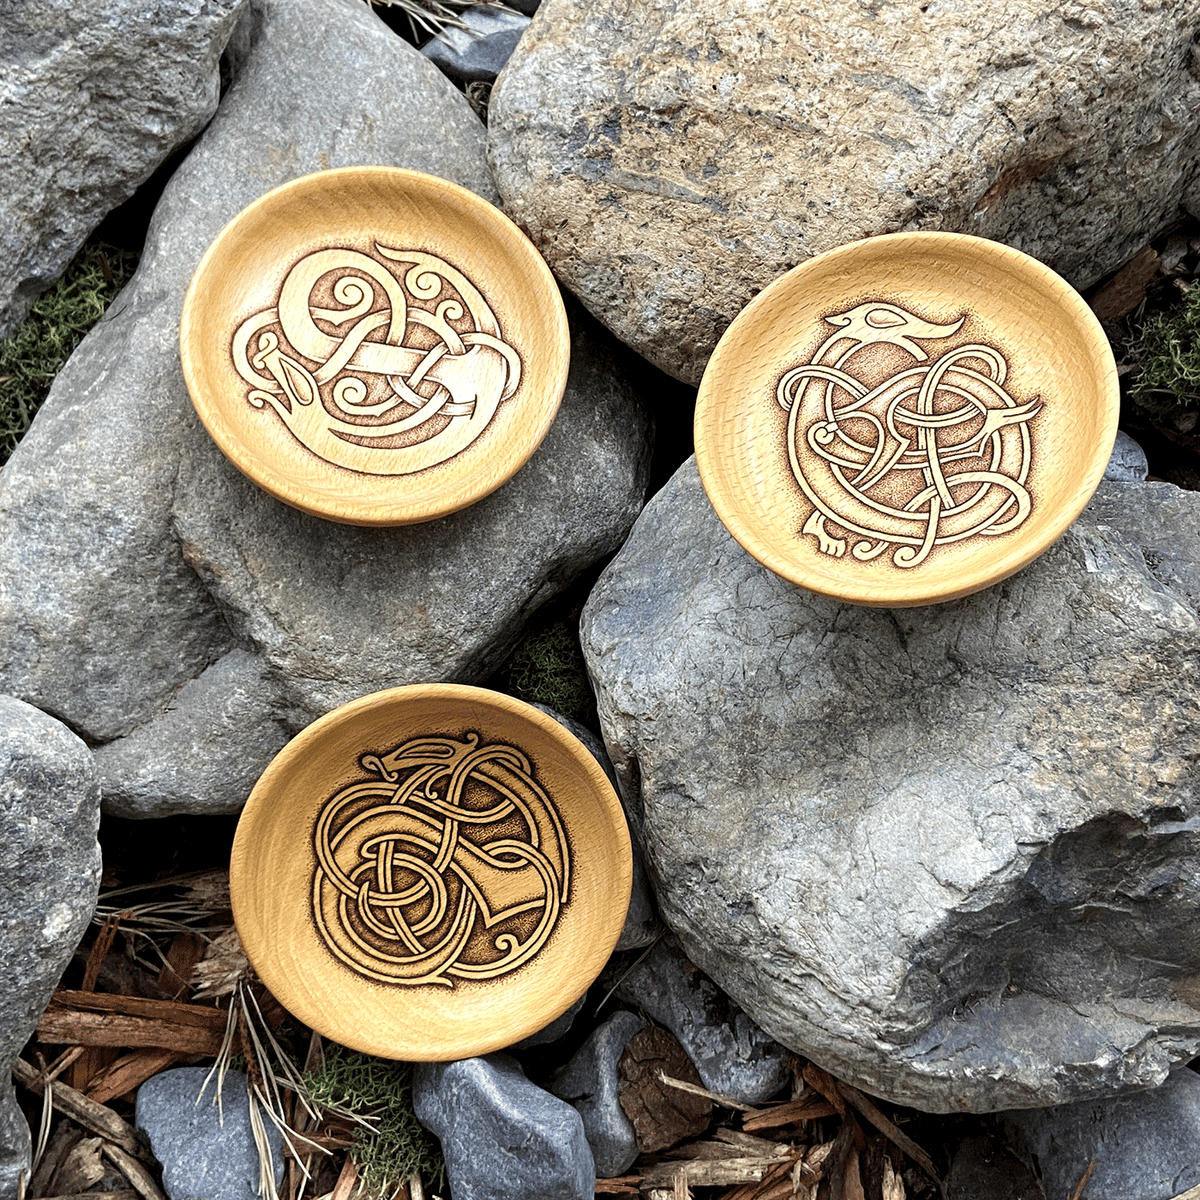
898 449
379 369
449 862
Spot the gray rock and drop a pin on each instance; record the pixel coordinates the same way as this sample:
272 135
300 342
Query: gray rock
734 1057
909 842
503 1137
589 1082
1128 462
478 50
1146 1146
49 880
671 160
557 1028
91 102
642 926
152 596
207 1150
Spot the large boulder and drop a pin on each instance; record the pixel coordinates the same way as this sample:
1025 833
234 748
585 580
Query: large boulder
949 853
186 623
49 880
671 159
92 100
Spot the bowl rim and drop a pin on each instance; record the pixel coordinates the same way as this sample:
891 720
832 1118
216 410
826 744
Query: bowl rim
261 469
264 810
746 530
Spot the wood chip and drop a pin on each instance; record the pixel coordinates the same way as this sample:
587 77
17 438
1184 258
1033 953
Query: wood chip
662 1114
808 1107
141 1179
81 1168
121 1194
92 1116
130 1071
625 1185
184 952
125 1022
1127 288
890 1131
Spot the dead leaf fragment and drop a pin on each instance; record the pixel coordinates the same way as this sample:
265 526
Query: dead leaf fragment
661 1115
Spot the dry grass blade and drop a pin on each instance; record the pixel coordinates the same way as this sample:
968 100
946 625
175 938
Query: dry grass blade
1083 1182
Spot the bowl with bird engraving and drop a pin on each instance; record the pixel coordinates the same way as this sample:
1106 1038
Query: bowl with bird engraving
907 419
374 346
431 872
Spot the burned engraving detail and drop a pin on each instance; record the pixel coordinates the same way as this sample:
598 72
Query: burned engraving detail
383 364
901 448
448 863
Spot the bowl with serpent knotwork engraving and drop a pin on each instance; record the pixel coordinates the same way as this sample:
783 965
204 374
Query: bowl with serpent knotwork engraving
431 872
375 346
907 419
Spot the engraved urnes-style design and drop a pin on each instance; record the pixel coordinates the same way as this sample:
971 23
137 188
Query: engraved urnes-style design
378 370
898 449
450 862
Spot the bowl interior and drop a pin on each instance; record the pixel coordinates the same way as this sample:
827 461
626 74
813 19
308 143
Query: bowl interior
907 419
374 345
431 873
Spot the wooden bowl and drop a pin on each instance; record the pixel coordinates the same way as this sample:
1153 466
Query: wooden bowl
374 346
907 419
431 873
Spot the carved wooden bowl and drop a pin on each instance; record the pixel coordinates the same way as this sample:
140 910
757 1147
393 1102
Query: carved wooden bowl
431 873
907 419
374 346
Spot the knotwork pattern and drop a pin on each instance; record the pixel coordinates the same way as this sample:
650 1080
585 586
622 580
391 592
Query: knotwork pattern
449 863
383 365
901 450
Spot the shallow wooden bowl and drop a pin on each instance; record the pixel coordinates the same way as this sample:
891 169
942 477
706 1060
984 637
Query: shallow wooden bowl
431 872
374 346
907 419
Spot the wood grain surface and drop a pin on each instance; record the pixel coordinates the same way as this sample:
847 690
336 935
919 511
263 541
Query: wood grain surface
375 346
431 872
907 419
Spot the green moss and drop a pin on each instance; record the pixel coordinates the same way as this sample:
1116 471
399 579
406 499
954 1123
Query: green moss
397 1146
1167 351
36 350
547 668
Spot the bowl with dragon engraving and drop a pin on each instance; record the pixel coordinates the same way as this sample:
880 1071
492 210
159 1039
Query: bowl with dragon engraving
907 419
374 346
431 872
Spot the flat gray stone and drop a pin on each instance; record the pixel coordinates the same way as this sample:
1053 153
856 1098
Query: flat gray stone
503 1137
734 1057
180 619
207 1151
75 142
1146 1146
591 1084
909 842
49 880
670 161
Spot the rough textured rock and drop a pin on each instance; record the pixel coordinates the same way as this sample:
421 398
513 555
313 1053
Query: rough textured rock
1128 462
1146 1146
670 160
183 621
590 1083
49 879
90 103
642 926
910 843
734 1057
478 50
205 1151
503 1137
